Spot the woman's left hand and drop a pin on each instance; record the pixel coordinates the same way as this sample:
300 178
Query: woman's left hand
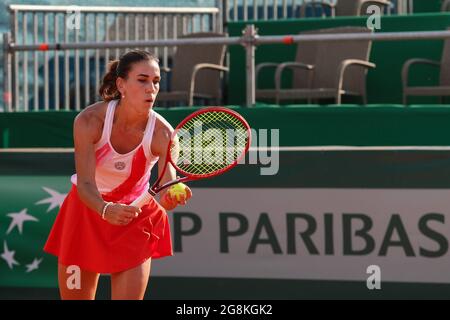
170 200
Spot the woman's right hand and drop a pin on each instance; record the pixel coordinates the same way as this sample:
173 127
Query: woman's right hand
120 214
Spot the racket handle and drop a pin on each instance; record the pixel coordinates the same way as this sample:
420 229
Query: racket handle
142 200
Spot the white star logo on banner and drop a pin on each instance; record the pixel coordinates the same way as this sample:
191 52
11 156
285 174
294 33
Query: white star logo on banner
18 218
34 265
8 256
55 200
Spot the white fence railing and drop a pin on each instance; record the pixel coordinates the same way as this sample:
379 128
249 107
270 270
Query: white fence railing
243 10
41 79
249 40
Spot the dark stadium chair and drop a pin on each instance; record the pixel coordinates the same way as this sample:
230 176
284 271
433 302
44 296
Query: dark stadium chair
317 8
358 7
443 89
196 72
325 69
445 5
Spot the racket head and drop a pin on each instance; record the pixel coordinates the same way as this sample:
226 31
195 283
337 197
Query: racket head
214 122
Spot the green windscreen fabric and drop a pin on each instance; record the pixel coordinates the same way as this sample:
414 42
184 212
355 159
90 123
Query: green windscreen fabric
305 125
427 5
383 82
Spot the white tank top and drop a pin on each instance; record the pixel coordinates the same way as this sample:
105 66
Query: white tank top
113 168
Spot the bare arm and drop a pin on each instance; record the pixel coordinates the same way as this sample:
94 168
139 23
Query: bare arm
86 130
160 142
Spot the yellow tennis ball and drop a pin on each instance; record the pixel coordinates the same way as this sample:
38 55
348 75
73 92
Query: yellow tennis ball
177 190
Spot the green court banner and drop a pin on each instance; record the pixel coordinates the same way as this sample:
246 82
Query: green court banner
325 215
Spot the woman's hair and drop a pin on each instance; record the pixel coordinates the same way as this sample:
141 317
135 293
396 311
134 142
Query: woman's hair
120 68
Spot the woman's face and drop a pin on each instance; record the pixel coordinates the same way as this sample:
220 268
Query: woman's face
142 85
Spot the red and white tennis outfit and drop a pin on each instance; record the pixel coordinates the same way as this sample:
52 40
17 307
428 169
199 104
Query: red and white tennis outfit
81 237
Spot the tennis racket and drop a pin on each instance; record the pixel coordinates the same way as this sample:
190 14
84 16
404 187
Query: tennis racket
206 144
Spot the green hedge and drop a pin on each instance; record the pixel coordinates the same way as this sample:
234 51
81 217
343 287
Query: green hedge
309 125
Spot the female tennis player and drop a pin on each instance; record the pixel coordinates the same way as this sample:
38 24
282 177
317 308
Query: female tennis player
117 142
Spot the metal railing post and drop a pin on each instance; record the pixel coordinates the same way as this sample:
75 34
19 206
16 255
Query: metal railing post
410 7
225 17
14 63
248 41
220 16
7 94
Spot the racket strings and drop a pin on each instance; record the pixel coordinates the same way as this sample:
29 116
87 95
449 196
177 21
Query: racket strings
209 142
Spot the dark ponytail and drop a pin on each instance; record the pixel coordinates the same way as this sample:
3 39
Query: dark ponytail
120 68
108 90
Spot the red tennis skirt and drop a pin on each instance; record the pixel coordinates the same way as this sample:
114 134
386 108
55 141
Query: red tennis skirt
81 237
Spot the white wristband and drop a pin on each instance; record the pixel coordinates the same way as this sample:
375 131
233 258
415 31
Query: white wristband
104 209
